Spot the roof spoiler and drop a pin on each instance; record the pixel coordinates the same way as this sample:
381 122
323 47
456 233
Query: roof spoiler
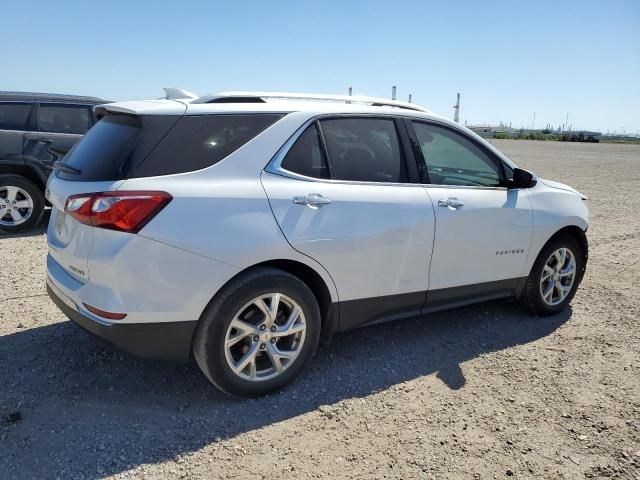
102 110
172 93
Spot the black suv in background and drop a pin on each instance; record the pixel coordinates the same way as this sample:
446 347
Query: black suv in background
36 130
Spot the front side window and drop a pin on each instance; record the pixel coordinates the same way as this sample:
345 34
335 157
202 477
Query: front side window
364 149
13 116
73 119
451 159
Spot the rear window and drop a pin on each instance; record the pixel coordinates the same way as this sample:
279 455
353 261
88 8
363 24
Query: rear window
123 146
13 116
115 146
198 142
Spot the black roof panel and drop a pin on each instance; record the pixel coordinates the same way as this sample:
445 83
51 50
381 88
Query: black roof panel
49 97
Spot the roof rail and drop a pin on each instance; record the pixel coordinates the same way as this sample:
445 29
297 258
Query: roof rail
9 95
243 97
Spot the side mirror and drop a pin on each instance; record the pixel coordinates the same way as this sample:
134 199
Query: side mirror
522 179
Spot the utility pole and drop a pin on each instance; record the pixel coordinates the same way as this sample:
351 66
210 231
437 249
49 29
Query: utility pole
409 98
533 127
393 92
456 110
566 123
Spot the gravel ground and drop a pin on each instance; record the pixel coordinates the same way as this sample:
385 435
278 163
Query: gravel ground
480 392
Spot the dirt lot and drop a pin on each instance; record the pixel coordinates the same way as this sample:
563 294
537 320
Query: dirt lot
481 392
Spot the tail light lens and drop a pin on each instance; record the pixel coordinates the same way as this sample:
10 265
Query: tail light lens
123 211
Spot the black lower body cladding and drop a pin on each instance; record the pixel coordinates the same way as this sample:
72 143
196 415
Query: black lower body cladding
160 341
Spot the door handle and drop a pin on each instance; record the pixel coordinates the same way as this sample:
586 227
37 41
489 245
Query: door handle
451 202
313 200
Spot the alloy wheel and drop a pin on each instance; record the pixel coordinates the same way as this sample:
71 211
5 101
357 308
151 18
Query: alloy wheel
265 337
16 206
558 276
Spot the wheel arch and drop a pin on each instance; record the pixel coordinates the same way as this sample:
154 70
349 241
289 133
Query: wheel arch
329 314
320 288
25 171
578 234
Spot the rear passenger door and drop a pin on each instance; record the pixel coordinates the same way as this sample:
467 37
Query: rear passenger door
55 129
342 193
13 122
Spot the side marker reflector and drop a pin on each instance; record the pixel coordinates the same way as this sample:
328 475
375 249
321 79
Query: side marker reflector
103 313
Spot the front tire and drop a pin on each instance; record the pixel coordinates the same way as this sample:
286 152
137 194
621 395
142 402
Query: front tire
21 204
555 276
258 334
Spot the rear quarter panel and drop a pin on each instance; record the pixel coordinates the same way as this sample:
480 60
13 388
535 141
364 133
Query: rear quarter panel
151 281
222 212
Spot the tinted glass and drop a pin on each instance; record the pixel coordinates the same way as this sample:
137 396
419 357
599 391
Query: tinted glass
198 142
104 149
306 157
451 159
362 149
13 116
63 119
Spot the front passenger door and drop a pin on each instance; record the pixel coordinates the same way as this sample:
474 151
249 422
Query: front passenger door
483 229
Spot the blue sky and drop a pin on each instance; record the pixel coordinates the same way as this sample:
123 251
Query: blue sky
508 59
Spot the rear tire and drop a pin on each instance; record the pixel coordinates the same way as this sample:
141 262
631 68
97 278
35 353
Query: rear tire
15 191
243 348
551 286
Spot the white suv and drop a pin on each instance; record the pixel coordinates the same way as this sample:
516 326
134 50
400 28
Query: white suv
244 227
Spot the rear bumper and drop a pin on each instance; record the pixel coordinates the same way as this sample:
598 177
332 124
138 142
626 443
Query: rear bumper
161 340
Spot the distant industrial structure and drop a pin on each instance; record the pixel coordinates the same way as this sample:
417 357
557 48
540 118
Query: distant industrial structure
456 110
563 132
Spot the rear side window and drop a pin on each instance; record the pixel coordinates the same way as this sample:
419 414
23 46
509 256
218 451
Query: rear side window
198 142
74 119
364 149
128 146
306 156
13 116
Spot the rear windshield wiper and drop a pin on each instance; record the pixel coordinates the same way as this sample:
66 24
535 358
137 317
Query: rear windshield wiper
66 168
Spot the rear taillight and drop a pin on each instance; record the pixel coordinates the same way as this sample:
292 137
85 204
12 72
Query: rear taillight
123 211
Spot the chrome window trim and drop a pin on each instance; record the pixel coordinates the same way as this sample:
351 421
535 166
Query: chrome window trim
275 164
466 187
